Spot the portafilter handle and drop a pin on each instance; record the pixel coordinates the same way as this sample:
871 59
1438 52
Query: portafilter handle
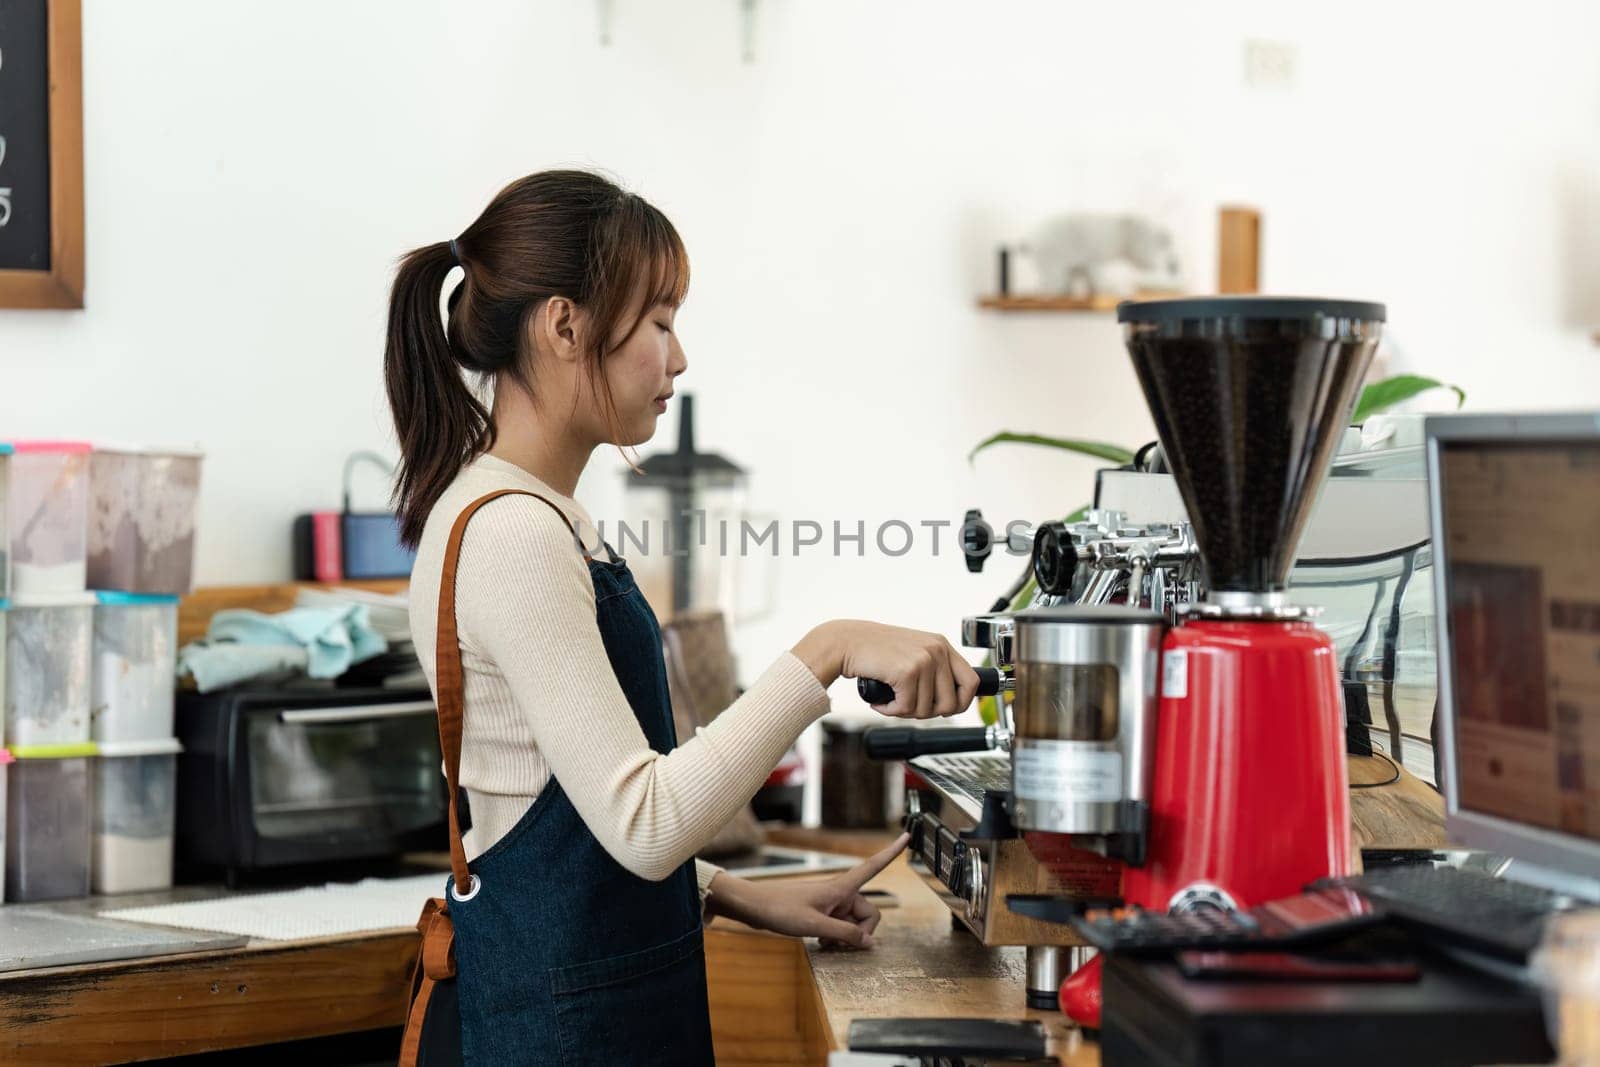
990 682
904 742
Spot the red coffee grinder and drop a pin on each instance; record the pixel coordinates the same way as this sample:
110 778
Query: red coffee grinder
1247 797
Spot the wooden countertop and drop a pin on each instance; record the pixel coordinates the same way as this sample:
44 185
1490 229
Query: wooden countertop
1403 813
919 967
773 999
259 993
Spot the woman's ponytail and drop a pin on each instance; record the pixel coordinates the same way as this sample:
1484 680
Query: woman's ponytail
440 424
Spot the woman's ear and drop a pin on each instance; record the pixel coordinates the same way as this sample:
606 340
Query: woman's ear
557 327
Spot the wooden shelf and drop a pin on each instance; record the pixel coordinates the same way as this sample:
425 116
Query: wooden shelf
196 609
1064 303
1238 271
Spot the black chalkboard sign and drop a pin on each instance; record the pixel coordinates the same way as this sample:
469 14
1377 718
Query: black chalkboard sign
24 136
41 154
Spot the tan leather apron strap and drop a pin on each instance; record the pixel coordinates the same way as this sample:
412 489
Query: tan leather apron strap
411 1042
438 943
447 670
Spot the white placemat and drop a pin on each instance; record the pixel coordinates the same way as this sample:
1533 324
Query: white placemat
319 911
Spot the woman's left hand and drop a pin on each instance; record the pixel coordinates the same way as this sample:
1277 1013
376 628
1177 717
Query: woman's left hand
831 909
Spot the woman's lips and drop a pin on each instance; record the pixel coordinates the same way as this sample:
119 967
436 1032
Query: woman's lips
661 403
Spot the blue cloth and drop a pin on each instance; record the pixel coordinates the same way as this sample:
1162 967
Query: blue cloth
240 645
562 955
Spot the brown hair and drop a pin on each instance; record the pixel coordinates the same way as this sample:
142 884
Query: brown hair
556 233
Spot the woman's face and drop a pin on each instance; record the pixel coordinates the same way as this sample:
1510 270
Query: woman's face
640 372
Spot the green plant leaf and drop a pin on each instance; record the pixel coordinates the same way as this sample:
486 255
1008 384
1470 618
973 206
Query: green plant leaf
1385 394
1098 449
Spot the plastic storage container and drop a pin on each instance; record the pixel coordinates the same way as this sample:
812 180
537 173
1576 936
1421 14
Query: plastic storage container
47 669
47 490
141 518
5 536
135 662
5 762
5 612
47 823
134 802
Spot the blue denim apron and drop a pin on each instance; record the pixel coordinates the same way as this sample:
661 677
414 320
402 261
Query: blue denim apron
562 955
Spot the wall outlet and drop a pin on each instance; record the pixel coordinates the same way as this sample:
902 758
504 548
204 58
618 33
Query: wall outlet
1269 65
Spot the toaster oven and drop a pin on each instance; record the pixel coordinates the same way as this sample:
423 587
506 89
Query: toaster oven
274 777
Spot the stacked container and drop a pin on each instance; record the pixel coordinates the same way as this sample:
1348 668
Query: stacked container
142 518
134 666
47 690
135 776
48 625
134 809
48 819
81 667
46 684
5 762
141 529
47 497
5 658
5 531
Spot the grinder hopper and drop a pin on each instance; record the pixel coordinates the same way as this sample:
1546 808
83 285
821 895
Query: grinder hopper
1250 396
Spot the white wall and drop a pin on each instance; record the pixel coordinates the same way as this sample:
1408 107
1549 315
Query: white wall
254 169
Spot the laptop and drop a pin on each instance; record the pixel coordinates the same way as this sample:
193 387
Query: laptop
1515 512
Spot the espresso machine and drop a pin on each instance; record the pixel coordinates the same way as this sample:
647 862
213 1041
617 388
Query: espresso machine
966 841
1173 712
1003 883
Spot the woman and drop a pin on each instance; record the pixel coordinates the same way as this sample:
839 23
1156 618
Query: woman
580 940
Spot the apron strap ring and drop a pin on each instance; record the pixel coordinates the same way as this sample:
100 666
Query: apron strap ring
472 890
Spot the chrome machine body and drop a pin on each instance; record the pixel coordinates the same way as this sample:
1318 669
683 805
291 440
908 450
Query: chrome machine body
1085 721
967 848
969 843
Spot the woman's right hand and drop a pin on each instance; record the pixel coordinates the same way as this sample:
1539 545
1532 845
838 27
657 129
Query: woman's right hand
929 677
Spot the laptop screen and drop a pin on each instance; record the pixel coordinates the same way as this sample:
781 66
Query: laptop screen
1521 524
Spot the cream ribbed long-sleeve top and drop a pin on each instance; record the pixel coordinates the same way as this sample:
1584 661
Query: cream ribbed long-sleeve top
542 702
